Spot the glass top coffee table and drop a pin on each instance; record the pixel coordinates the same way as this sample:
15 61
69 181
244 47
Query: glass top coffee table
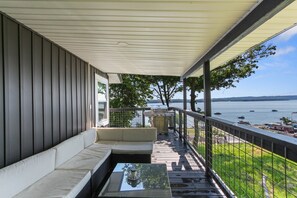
137 180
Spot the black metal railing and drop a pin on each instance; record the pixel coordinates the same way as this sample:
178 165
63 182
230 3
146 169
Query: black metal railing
128 117
245 161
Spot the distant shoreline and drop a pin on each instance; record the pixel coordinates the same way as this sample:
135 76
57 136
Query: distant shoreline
239 99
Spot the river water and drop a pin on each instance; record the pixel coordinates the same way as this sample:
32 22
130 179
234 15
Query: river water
262 110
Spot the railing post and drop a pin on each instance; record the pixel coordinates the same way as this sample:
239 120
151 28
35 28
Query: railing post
196 131
143 118
185 108
174 120
207 110
185 127
180 124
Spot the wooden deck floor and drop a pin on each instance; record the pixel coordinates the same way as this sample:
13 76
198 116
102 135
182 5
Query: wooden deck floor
186 174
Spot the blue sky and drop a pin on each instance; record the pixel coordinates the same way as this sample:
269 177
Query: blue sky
276 75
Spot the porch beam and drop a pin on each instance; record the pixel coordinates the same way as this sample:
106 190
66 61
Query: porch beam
265 10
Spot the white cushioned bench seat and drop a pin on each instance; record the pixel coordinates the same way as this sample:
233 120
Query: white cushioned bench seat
17 177
90 158
59 183
69 148
128 140
139 134
118 147
76 166
127 134
133 148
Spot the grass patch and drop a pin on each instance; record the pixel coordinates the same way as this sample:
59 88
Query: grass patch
242 167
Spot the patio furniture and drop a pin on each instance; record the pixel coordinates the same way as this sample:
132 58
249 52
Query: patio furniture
151 180
75 167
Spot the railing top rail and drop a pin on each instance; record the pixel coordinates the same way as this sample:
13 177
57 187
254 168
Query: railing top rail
129 109
189 112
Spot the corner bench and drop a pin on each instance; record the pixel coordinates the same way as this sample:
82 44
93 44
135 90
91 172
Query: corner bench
77 166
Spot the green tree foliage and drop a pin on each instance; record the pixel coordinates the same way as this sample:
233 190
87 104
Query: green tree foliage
133 92
165 87
286 120
231 72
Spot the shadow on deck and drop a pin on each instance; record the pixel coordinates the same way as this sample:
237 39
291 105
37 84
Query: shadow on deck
186 173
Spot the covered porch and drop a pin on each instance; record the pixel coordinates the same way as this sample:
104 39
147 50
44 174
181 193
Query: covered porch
57 59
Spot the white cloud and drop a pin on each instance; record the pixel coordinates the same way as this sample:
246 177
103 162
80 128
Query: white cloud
283 51
288 34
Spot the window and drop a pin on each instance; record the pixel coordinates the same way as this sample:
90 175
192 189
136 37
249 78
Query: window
102 101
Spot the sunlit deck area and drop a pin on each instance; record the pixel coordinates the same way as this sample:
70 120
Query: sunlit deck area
186 173
58 61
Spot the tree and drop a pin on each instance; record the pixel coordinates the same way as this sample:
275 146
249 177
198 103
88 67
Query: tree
134 91
285 120
231 72
165 87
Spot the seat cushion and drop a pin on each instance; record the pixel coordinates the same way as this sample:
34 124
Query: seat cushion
133 148
110 134
88 159
59 183
18 176
108 143
97 148
69 148
139 134
90 137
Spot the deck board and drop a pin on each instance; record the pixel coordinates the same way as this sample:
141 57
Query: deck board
186 174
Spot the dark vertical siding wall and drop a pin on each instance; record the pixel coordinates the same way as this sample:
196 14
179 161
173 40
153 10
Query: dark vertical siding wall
69 131
78 89
26 93
55 95
37 94
42 92
2 137
62 91
47 94
84 97
12 91
74 96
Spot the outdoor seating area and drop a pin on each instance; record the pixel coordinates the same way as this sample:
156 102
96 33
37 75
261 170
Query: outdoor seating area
77 166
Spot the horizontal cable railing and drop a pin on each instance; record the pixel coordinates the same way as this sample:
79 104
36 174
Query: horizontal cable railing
245 161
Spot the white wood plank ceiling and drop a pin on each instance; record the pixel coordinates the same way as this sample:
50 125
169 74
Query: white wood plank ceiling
140 36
